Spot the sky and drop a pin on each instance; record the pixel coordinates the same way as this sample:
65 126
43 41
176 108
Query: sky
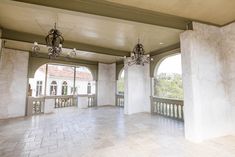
171 65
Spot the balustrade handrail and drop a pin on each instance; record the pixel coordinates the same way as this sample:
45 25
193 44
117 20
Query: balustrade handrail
35 105
36 98
38 102
120 100
120 95
61 96
169 100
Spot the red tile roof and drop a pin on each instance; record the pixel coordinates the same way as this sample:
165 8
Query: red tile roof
64 71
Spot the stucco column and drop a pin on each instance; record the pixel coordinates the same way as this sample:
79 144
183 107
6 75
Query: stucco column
13 83
137 89
207 109
106 91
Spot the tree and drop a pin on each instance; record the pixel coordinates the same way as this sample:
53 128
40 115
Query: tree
120 85
168 86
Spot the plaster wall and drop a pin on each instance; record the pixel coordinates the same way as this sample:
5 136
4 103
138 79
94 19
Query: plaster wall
106 84
207 109
228 50
13 83
137 89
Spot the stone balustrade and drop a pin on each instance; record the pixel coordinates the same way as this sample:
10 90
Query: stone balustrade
47 104
168 107
120 100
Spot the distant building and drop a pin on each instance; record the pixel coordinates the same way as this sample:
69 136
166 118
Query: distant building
60 81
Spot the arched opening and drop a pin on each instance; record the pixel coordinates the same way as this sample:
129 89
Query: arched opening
37 84
167 97
120 89
120 82
54 79
168 78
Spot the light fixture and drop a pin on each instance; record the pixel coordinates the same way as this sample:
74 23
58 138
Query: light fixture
35 48
54 40
73 53
137 56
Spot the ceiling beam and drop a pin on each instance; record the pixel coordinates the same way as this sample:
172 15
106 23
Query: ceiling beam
165 49
63 59
114 10
26 37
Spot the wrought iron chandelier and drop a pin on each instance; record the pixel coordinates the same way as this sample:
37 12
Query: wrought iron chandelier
137 56
54 40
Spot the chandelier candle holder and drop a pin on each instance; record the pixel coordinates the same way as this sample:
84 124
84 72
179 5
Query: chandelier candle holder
35 48
54 40
137 56
72 53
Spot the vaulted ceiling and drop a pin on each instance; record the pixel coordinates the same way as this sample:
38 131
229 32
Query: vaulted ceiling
105 31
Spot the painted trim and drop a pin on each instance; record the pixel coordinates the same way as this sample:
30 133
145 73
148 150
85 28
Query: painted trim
165 49
63 59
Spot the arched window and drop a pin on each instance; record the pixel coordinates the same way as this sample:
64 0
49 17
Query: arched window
53 88
168 78
120 82
39 88
37 83
89 88
64 88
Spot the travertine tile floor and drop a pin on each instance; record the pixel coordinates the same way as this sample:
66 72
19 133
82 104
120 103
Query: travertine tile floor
103 132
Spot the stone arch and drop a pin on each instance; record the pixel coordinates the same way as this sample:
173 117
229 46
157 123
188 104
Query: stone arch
88 69
35 63
167 83
157 59
157 64
120 73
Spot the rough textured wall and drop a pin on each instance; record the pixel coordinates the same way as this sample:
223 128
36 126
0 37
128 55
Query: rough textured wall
137 89
106 84
228 52
207 107
13 83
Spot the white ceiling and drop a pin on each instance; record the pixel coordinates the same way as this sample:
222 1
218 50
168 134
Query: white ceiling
85 28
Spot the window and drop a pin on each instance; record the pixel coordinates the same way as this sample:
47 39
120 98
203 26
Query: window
64 88
120 82
89 88
39 88
53 88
